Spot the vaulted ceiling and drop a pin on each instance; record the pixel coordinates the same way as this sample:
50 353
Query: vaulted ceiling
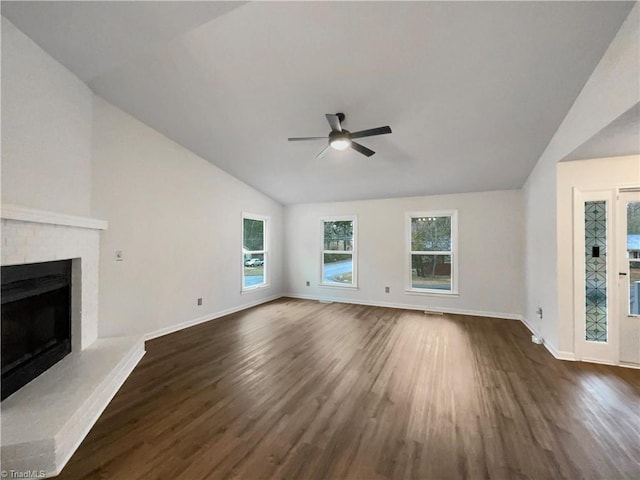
473 91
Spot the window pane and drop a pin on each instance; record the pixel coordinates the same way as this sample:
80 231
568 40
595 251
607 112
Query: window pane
430 234
338 235
595 264
337 268
253 269
253 232
634 288
431 271
633 253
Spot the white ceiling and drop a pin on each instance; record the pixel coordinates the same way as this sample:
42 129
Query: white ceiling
621 137
473 91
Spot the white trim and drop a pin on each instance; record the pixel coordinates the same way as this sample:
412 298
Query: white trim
24 214
529 327
406 306
354 252
453 253
254 288
339 286
205 318
432 293
629 365
598 361
560 355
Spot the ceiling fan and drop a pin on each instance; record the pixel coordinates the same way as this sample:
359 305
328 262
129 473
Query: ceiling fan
341 139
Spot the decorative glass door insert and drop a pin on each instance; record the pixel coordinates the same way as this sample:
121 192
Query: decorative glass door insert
595 233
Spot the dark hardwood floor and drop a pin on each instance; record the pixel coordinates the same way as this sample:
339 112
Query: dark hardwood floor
296 389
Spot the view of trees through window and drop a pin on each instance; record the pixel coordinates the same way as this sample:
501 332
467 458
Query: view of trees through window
253 252
337 253
431 252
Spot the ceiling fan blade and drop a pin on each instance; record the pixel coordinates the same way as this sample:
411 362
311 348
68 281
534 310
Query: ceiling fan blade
371 132
334 121
362 149
324 151
298 139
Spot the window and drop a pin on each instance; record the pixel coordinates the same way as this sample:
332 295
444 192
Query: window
432 258
254 252
339 251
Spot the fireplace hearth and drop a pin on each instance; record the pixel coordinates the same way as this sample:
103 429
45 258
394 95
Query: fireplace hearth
44 421
36 320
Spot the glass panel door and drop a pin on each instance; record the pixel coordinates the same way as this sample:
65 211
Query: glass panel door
633 257
628 274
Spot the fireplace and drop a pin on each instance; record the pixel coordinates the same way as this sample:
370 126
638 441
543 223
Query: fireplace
36 320
44 421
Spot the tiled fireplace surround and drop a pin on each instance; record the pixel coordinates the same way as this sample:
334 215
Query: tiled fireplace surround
43 423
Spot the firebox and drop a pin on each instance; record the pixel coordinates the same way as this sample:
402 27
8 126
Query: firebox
36 320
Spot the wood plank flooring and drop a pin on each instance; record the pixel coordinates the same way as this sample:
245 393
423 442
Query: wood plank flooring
295 389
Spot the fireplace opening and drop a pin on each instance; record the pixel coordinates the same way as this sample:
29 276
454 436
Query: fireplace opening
36 320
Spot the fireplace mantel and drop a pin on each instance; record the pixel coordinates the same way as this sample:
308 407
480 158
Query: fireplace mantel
25 214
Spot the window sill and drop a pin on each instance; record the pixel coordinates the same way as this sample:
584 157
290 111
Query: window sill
432 293
337 285
254 289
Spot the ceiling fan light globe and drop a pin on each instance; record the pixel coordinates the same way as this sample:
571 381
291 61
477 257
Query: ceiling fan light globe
340 143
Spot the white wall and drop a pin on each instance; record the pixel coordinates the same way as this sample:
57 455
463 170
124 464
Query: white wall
612 89
177 219
490 252
586 175
46 129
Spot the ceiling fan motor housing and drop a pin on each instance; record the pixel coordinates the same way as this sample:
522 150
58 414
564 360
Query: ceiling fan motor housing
343 135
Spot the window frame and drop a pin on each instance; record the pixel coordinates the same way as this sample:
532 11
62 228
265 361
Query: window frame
353 252
453 253
265 251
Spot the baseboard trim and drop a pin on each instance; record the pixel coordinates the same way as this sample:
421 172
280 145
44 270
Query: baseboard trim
406 306
571 357
529 326
558 354
599 362
205 318
629 365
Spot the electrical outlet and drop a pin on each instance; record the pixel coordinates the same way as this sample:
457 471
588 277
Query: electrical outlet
199 301
308 283
386 289
119 256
